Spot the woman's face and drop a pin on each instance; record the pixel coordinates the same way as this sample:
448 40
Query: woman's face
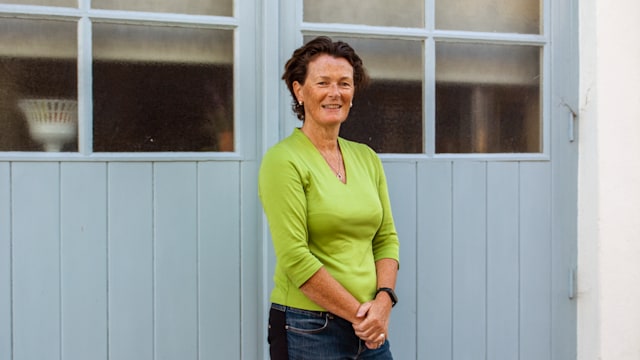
327 91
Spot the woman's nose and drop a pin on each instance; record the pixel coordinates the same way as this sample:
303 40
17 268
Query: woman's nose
334 90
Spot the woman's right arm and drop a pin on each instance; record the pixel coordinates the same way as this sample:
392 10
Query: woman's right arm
281 190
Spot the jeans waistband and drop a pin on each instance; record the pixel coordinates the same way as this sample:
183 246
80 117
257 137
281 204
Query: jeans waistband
285 308
278 307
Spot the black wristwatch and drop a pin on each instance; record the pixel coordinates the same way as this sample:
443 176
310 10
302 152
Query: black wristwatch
392 295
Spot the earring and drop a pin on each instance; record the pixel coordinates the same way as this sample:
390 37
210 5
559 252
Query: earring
351 105
300 103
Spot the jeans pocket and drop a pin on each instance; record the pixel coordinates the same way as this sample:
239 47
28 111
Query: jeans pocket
306 323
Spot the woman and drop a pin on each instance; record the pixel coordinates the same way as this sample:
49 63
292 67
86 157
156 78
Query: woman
330 219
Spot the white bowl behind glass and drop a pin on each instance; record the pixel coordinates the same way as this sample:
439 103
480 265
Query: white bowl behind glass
52 122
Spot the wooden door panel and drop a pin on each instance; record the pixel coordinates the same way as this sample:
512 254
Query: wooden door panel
434 252
503 260
83 258
35 200
131 271
535 258
5 261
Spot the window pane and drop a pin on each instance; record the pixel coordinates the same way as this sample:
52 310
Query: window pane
387 115
162 89
49 120
510 16
488 98
405 13
65 3
197 7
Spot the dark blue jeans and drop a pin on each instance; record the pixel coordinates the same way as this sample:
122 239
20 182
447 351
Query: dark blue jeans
296 334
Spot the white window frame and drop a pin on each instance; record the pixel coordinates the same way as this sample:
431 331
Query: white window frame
294 29
242 23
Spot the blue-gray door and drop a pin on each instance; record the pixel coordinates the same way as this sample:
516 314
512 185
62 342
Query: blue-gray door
487 228
139 237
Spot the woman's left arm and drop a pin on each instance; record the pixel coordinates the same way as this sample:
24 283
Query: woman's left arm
376 313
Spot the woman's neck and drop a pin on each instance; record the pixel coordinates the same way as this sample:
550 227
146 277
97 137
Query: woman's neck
324 139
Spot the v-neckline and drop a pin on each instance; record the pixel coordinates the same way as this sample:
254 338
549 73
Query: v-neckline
327 165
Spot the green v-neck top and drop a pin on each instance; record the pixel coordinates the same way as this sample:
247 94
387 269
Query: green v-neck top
315 220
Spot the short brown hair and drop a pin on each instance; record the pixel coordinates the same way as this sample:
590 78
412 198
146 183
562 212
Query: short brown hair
296 67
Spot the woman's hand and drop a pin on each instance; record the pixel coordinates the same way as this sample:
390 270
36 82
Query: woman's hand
374 327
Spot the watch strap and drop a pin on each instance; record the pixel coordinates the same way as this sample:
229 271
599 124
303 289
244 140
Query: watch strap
391 293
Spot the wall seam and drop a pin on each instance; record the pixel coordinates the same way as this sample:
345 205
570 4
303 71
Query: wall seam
107 261
519 168
452 267
60 243
153 259
11 284
198 238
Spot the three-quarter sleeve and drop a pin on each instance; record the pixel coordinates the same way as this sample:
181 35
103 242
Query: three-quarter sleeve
281 187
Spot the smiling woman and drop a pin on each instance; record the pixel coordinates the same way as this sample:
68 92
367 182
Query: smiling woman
329 213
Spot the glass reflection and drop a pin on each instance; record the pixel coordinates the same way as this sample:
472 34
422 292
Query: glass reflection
405 13
488 98
162 89
38 85
66 3
196 7
509 16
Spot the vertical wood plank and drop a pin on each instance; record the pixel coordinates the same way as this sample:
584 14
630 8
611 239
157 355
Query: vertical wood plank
83 261
535 261
434 251
219 260
130 261
502 260
176 277
36 260
5 262
253 296
564 177
401 181
469 260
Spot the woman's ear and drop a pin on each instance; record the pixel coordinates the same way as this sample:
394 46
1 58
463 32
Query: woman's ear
297 89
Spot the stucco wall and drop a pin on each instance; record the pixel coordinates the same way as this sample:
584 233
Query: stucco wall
609 181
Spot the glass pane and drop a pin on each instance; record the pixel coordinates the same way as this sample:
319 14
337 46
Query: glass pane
488 98
509 16
38 93
162 89
196 7
387 115
405 13
65 3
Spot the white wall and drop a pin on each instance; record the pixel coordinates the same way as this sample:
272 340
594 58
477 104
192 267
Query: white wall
609 181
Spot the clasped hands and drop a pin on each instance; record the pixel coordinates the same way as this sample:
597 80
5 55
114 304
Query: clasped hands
374 324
